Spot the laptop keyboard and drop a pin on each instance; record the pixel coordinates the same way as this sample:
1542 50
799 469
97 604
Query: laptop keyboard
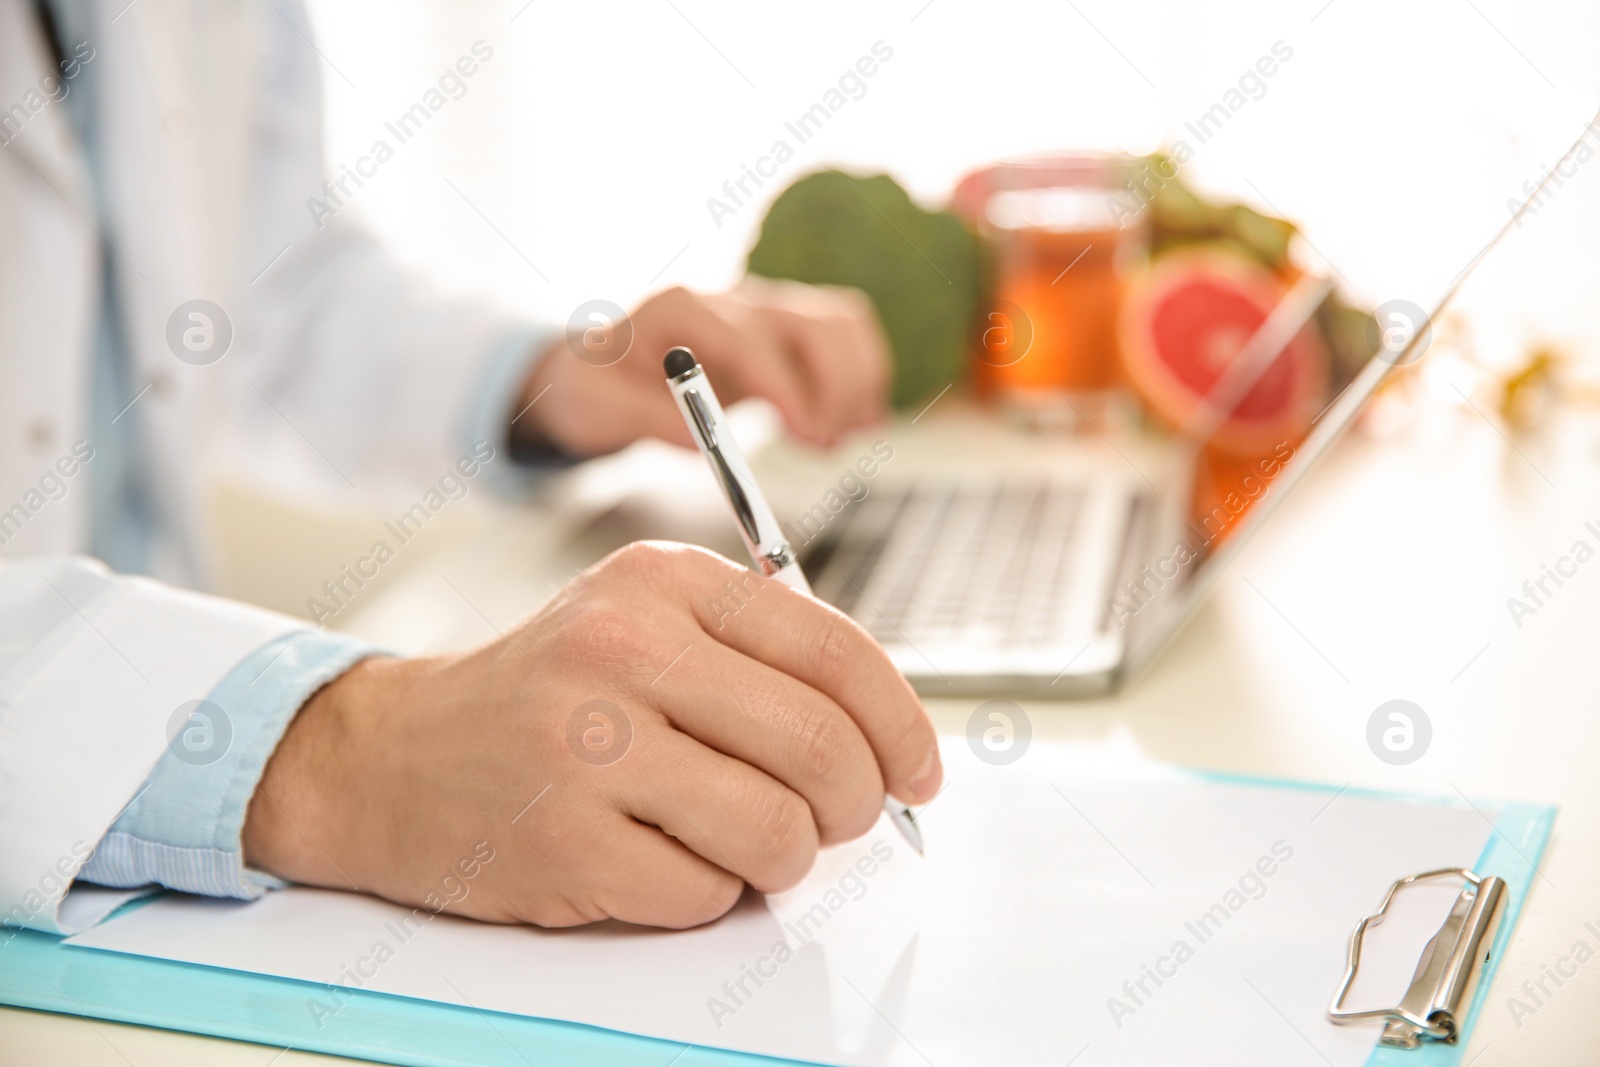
971 562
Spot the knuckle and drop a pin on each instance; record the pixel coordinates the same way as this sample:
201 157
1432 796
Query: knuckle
675 297
788 840
912 743
856 304
648 563
877 359
880 380
846 308
855 818
607 631
824 748
555 912
833 652
634 557
721 893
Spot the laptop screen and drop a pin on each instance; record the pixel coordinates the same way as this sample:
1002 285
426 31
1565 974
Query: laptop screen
1398 187
1214 242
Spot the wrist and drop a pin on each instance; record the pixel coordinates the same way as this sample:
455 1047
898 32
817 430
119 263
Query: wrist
530 429
312 816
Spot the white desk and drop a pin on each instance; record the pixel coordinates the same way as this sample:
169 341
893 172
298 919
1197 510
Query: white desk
1391 568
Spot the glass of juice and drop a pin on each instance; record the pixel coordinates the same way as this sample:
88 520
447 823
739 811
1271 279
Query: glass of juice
1060 249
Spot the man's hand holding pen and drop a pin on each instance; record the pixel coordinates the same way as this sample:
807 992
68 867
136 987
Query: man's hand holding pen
732 750
746 747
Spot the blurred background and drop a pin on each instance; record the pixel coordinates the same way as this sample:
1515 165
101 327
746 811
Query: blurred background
1394 136
580 161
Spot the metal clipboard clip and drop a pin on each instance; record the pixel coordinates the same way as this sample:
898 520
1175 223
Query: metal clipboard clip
1449 968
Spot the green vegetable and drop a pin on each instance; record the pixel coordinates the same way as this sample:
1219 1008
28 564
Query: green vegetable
920 268
1180 217
925 270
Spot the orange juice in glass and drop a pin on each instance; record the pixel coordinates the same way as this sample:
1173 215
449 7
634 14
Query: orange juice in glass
1059 258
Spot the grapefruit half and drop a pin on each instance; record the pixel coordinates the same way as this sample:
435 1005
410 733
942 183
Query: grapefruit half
1184 322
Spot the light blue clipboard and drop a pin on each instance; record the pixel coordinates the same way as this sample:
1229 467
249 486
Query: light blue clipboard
38 971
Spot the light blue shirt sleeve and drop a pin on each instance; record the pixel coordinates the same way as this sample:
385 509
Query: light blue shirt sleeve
182 829
497 406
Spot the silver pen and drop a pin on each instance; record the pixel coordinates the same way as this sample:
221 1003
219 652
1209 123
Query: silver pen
763 537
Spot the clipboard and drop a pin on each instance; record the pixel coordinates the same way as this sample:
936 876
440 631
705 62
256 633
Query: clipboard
39 971
1448 970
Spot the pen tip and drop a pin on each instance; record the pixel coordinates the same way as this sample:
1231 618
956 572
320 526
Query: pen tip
678 361
906 823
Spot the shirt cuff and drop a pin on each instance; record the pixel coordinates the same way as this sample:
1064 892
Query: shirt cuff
497 404
183 829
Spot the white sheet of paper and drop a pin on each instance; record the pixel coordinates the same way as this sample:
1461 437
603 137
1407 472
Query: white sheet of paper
1061 906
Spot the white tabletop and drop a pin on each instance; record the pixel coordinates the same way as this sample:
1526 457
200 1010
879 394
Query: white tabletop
1385 577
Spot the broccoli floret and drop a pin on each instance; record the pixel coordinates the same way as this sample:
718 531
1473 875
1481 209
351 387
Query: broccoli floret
920 268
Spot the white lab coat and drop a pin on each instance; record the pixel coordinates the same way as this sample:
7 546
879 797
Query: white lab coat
340 365
338 362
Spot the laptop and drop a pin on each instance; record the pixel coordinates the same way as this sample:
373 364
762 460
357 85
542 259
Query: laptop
1069 582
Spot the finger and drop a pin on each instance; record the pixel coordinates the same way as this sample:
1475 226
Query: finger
652 880
643 408
848 310
768 720
833 375
822 647
591 410
878 360
836 339
742 355
726 811
652 412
